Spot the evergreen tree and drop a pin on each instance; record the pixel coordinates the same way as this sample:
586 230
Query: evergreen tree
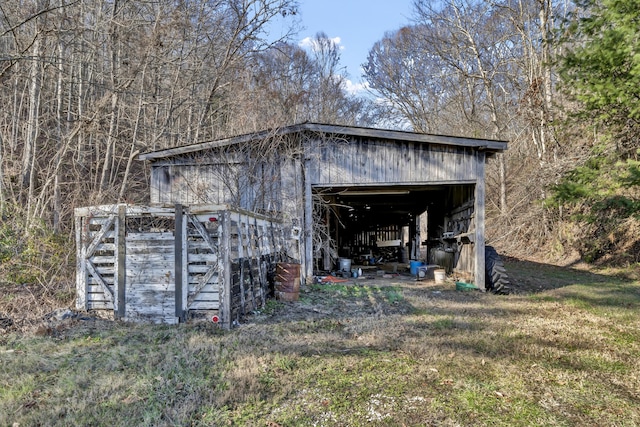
601 67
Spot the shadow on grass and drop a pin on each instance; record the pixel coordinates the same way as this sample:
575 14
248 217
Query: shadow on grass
387 297
534 277
353 310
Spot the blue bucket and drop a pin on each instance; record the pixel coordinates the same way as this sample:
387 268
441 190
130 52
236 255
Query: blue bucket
414 265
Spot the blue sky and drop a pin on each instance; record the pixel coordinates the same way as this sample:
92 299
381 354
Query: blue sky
357 24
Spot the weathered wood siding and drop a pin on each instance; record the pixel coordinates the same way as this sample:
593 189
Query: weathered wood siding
279 189
252 187
221 262
375 162
334 162
255 246
150 277
191 184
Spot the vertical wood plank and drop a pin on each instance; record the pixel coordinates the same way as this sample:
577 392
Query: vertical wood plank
82 225
225 270
185 266
166 196
252 234
259 249
479 220
154 192
178 257
307 260
242 243
120 273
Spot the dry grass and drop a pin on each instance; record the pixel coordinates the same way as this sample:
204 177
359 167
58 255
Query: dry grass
563 350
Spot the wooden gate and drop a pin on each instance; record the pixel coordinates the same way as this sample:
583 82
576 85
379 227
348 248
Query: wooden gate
202 263
97 261
168 264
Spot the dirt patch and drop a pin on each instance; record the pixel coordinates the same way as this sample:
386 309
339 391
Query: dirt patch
365 297
398 294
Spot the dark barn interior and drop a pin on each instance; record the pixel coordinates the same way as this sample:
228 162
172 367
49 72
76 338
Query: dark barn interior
396 224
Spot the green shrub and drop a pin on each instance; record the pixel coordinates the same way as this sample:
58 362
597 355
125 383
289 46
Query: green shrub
37 256
601 196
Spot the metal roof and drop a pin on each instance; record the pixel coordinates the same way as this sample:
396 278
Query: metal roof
489 145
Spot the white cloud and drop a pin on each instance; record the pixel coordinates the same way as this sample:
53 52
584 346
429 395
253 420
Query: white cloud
311 43
355 88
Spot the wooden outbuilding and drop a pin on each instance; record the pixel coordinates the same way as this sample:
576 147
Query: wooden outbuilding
344 192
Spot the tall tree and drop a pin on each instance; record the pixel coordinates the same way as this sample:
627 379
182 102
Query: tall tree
90 83
408 76
601 66
453 66
292 84
473 67
600 70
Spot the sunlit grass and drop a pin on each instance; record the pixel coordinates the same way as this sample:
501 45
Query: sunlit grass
406 354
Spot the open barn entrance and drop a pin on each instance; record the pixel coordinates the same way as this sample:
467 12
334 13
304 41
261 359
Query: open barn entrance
375 225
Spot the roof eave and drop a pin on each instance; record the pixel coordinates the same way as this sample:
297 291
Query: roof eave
489 145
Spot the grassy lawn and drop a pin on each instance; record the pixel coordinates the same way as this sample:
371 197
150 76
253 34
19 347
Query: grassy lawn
562 350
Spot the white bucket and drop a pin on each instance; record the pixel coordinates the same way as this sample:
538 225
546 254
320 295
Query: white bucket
440 275
345 264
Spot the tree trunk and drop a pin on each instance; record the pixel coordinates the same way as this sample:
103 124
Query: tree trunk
33 130
113 120
28 153
2 197
57 203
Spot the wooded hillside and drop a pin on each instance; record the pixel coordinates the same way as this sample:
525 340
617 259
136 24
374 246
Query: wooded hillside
86 85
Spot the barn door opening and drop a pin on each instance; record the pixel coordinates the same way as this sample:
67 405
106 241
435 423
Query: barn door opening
428 223
381 223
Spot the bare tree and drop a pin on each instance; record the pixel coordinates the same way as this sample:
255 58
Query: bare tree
289 84
91 83
471 67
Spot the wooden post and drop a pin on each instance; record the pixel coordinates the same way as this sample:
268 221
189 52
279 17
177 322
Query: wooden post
185 264
264 251
82 226
479 273
307 259
414 229
326 256
120 274
243 241
224 281
179 237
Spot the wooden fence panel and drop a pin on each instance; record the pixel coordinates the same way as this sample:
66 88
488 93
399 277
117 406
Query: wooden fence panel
150 277
203 263
129 261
